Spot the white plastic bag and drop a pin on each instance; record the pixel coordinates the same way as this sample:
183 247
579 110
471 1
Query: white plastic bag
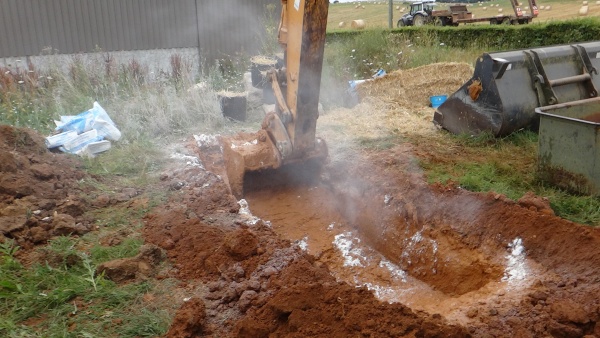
60 139
95 118
92 149
84 134
76 144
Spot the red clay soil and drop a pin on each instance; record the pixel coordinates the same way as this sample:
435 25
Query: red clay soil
495 267
473 233
260 284
40 193
472 264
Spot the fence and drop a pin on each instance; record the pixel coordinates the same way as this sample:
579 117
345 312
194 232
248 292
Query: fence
215 27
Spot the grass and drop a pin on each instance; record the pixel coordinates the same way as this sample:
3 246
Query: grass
66 298
61 295
484 163
507 166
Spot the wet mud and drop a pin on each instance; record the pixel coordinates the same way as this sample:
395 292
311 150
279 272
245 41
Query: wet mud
370 248
491 265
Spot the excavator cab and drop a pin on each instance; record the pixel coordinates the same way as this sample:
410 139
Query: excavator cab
288 134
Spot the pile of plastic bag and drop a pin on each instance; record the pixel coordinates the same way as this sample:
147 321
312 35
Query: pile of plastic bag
86 134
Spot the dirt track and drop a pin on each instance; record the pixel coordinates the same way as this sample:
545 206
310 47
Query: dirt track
368 248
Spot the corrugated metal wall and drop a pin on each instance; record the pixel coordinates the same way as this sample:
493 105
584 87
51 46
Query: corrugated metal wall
217 27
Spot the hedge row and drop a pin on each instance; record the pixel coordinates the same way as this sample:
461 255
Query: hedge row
500 37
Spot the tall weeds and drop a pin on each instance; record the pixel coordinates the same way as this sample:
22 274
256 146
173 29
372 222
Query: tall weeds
142 104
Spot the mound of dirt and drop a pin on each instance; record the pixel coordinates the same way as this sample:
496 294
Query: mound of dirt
40 191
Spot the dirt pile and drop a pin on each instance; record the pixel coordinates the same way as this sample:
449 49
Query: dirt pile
142 266
40 192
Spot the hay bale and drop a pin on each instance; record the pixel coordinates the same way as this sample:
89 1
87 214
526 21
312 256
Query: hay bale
341 24
526 8
484 8
598 2
585 3
411 88
259 66
499 10
541 7
397 8
583 11
358 24
548 8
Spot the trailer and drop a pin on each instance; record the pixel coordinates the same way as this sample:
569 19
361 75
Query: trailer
424 12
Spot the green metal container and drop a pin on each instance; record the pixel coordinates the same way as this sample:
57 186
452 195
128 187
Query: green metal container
569 145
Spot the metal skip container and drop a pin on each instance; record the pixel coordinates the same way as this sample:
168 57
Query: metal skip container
506 87
569 145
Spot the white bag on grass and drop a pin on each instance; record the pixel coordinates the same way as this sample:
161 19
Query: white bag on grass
95 118
60 139
76 144
91 149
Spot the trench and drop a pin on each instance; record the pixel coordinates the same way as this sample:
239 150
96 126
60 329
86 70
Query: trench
401 259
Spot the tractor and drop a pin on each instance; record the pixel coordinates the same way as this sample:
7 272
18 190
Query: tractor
419 14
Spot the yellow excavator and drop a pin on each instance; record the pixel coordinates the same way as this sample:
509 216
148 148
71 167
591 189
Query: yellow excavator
288 133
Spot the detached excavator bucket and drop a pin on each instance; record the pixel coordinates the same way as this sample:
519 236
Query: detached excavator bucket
506 87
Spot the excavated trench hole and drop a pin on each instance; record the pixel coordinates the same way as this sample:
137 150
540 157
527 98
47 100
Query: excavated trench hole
415 264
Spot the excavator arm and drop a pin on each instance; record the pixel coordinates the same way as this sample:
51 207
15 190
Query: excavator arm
288 134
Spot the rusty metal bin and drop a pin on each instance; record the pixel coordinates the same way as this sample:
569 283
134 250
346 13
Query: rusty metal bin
569 145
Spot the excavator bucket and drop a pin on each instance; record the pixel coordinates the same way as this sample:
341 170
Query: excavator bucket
506 87
288 134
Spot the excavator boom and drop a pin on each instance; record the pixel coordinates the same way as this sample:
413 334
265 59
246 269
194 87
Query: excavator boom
288 134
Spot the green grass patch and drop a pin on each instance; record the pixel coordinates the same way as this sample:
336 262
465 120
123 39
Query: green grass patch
135 160
64 297
119 216
507 166
129 247
580 209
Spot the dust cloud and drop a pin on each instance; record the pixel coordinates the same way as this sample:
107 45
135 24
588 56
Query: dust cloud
233 23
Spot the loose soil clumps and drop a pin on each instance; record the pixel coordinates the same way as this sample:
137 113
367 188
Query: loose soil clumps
40 191
259 284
